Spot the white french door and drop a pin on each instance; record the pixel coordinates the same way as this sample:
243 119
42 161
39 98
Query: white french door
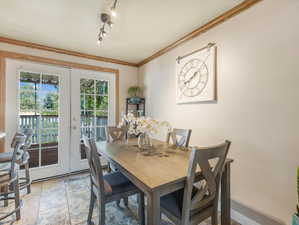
60 105
37 97
92 108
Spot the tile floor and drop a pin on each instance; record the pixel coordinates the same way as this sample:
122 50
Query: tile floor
65 202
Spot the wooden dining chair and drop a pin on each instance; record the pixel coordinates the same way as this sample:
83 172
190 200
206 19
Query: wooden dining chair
199 199
9 181
179 137
115 134
24 161
107 188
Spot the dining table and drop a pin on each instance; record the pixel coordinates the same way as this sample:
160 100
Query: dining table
158 172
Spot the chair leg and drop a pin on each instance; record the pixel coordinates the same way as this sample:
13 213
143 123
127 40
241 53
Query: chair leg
126 201
141 215
101 218
17 198
214 218
6 189
28 180
91 207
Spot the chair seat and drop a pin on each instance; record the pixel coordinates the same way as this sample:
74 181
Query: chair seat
173 203
22 157
5 157
118 183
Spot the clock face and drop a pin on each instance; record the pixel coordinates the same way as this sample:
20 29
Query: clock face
193 78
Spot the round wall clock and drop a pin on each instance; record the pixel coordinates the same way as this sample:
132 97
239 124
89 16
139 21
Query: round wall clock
193 78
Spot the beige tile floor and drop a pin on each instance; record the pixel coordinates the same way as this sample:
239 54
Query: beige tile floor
65 201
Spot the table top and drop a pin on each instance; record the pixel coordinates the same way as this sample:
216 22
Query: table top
155 170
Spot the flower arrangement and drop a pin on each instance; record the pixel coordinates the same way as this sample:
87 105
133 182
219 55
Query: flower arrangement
141 125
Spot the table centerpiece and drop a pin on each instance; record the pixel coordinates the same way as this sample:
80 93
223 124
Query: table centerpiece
144 128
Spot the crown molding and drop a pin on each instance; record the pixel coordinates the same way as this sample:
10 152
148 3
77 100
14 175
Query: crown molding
64 51
209 25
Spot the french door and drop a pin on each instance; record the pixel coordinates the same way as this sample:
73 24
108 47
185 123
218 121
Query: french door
60 105
92 108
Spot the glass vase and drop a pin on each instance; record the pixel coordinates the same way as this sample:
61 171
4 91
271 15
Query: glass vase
144 141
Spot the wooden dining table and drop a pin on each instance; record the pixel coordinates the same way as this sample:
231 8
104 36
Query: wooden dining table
158 173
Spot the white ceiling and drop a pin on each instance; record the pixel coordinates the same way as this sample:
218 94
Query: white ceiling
142 27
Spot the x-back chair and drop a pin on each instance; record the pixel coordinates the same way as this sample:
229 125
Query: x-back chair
179 137
107 188
24 160
199 199
9 180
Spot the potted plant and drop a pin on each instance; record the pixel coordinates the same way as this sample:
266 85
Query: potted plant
134 93
296 215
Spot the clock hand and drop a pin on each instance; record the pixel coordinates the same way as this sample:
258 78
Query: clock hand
191 78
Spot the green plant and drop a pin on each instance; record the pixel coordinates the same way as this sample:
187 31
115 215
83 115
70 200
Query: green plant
134 91
298 190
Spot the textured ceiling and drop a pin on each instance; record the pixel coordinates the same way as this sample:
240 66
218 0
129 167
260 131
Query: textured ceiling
142 27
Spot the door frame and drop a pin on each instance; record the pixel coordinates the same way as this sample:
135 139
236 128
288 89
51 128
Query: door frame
48 61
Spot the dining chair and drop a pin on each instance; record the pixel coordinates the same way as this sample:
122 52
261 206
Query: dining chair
9 180
198 200
114 134
109 187
179 137
24 161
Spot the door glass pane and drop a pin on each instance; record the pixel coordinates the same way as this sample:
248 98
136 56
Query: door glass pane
39 110
94 109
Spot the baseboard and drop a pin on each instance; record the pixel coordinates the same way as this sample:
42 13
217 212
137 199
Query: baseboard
248 216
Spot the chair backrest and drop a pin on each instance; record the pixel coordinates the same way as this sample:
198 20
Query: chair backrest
203 192
179 137
19 142
14 139
94 162
115 134
28 133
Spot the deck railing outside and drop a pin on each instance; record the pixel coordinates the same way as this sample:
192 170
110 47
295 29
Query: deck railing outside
45 129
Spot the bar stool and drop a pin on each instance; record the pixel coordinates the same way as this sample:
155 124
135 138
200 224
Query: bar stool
9 180
6 157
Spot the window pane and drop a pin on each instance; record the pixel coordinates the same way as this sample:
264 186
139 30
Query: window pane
88 132
100 134
28 121
50 83
49 147
89 102
102 102
82 102
29 102
102 87
49 121
87 118
101 118
87 86
29 81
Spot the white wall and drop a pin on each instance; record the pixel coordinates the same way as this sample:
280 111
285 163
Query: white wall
257 107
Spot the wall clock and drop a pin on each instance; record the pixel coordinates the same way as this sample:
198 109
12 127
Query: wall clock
195 76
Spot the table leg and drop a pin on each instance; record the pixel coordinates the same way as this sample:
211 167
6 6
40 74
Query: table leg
153 208
225 196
